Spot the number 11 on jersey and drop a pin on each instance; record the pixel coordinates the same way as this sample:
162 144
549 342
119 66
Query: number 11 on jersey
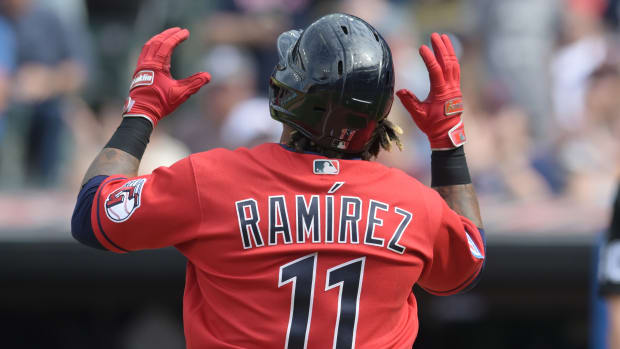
347 277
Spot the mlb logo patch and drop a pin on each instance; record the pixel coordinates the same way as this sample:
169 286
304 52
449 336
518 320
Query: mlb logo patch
325 166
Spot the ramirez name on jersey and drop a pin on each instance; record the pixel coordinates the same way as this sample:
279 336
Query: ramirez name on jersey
315 221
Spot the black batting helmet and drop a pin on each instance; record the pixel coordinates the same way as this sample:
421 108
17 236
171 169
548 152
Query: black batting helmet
334 82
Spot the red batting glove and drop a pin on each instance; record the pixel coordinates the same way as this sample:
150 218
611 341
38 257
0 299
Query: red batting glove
440 115
153 93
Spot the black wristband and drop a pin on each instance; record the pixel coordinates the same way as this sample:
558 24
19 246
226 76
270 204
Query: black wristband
132 136
449 167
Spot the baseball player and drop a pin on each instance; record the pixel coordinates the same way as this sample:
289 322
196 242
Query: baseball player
303 243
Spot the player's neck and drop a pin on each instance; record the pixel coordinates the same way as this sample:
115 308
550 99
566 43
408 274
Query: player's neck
285 138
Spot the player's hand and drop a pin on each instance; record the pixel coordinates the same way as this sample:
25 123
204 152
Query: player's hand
153 93
440 115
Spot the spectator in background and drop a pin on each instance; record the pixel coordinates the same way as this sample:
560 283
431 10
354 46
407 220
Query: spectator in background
519 43
249 124
255 24
231 113
7 66
73 16
47 70
7 69
591 154
583 49
507 171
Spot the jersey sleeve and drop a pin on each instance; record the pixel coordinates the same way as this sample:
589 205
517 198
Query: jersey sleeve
609 255
152 211
458 251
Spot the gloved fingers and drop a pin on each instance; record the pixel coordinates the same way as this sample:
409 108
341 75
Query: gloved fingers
167 47
158 41
441 52
188 86
434 70
163 35
411 103
196 81
150 47
454 62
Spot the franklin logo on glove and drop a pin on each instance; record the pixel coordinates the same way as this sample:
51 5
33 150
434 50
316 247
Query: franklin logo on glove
454 106
142 78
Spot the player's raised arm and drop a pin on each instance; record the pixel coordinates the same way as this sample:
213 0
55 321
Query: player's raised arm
153 94
440 117
459 243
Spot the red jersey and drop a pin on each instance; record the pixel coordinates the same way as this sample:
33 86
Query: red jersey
289 250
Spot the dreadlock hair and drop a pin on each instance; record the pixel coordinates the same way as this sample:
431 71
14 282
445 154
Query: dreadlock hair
384 134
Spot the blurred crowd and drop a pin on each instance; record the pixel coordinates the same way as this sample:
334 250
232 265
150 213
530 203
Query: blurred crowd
541 81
